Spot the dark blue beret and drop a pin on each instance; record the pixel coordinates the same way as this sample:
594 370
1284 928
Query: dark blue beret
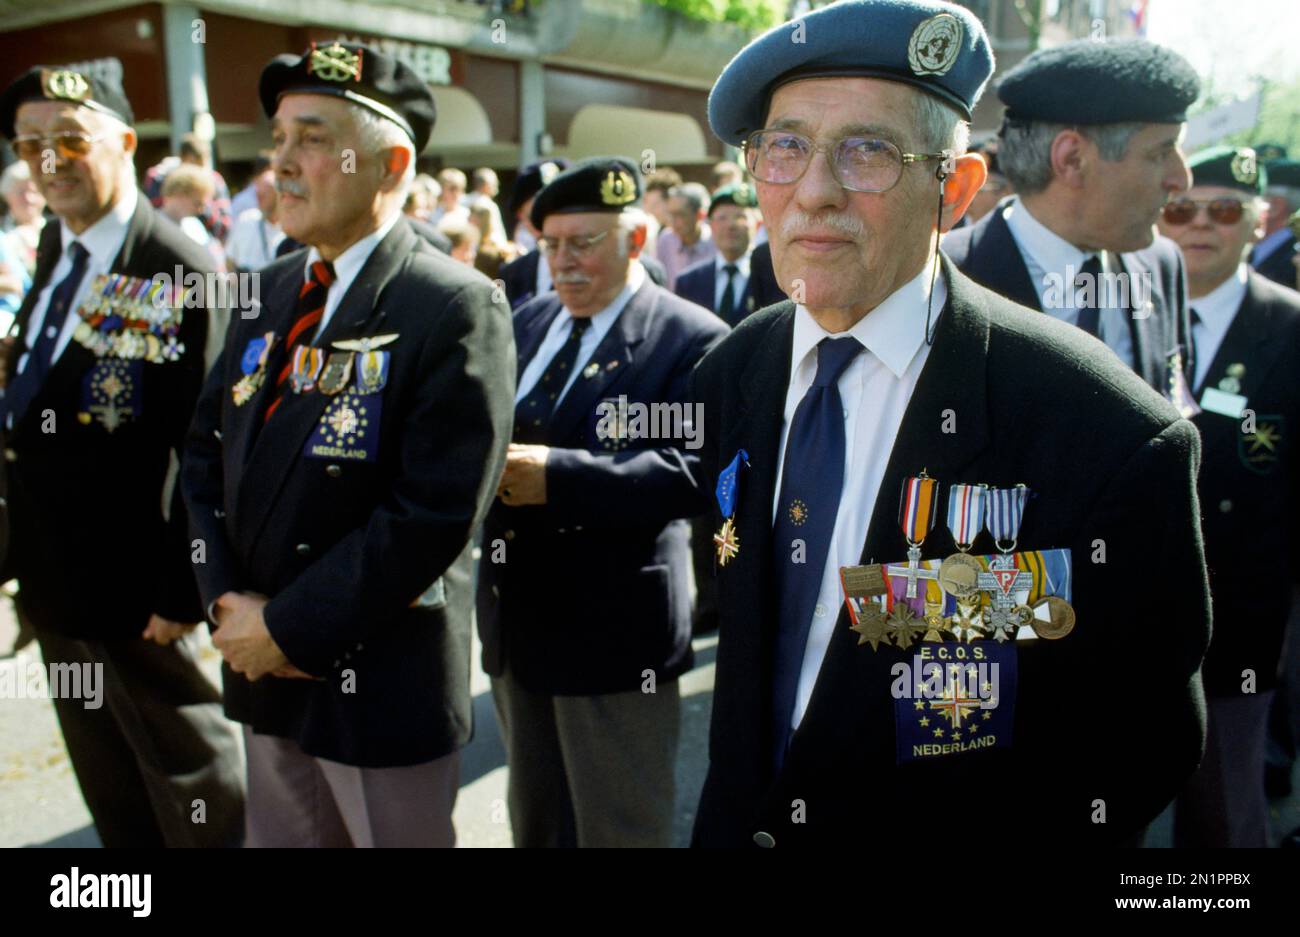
1236 167
59 83
938 47
360 74
531 179
600 184
1088 81
1284 172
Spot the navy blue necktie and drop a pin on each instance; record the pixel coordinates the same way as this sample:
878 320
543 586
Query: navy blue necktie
533 412
728 304
811 481
27 384
1090 316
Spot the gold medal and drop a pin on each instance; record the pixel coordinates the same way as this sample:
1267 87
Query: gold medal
727 541
871 626
904 626
1052 618
958 575
338 369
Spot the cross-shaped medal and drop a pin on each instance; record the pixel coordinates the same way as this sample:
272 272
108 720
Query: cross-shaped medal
1002 582
913 570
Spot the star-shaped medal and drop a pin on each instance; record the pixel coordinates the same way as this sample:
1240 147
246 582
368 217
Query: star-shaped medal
967 623
727 541
871 626
904 626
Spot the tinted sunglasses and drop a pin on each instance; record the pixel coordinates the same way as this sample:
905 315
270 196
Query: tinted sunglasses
1182 211
70 145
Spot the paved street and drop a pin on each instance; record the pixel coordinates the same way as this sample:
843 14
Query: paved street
41 805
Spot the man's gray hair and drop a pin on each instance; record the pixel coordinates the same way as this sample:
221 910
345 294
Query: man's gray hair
940 126
1025 152
1288 192
696 195
378 134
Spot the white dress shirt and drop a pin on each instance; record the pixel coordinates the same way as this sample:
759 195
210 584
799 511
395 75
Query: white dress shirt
559 331
103 241
1214 314
346 267
1045 253
875 389
738 284
253 240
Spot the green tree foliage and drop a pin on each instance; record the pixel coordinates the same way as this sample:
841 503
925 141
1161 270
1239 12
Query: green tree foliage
751 14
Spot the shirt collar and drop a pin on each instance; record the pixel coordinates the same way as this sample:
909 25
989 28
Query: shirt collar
104 238
1051 251
349 263
894 331
742 263
1217 308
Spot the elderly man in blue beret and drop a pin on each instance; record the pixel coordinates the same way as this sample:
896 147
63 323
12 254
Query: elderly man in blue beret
936 621
1090 143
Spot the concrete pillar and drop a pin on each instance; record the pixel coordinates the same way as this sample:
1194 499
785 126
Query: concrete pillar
532 110
187 80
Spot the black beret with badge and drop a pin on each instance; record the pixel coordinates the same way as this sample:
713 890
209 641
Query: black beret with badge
1101 82
59 83
1235 167
532 179
359 74
741 193
939 48
607 184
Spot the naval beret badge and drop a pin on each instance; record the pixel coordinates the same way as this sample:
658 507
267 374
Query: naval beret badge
935 45
617 188
62 84
335 63
1244 167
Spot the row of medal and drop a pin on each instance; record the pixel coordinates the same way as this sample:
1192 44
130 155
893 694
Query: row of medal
130 318
314 368
1009 579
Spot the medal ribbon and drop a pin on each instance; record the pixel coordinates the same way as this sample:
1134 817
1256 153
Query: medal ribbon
917 507
1006 510
726 488
966 513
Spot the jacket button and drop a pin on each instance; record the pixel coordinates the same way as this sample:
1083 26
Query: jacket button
303 549
509 535
765 840
333 471
1225 505
217 433
11 456
562 530
4 502
218 513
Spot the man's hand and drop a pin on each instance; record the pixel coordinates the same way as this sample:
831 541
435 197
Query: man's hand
165 631
242 636
524 480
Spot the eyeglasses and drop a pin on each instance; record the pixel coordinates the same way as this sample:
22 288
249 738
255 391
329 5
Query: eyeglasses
579 246
1221 210
70 144
859 164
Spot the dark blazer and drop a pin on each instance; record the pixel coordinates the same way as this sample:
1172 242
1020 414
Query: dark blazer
987 253
698 283
1029 394
520 275
84 526
367 563
1250 490
1278 266
595 584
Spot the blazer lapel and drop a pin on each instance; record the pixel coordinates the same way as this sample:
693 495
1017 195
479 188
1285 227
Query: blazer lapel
530 333
1248 339
996 262
1149 360
613 359
278 444
48 251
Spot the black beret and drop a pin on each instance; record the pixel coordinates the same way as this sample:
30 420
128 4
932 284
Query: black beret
938 47
601 183
1087 81
741 194
357 73
58 83
531 179
1267 152
1235 167
1284 172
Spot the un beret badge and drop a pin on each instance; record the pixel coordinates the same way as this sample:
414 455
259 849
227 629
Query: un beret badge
62 84
935 45
334 64
1244 167
617 188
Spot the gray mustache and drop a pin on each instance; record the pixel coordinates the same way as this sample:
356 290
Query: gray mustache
290 187
797 223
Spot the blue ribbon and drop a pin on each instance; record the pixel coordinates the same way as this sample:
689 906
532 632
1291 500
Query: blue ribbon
726 490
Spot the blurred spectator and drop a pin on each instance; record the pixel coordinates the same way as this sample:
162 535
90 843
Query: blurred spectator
449 206
688 241
257 231
246 198
25 220
464 239
484 189
184 193
422 197
996 186
655 201
194 151
492 253
15 281
726 174
531 179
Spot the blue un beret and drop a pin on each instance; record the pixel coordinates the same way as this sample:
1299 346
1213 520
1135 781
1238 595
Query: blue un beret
938 47
1109 82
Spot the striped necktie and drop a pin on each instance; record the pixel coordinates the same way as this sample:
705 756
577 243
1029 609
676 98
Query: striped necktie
311 308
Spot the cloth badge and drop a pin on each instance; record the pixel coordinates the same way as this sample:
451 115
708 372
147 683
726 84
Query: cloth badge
1260 451
112 393
372 371
348 429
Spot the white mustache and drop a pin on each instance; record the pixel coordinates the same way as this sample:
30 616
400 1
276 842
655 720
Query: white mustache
290 187
574 278
797 224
